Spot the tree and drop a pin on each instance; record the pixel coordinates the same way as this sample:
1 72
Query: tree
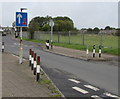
42 24
13 24
63 24
46 27
107 28
33 26
117 32
90 30
96 30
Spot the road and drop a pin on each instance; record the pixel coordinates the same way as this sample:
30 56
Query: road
64 71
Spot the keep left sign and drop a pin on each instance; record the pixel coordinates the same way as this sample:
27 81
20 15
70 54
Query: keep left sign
21 19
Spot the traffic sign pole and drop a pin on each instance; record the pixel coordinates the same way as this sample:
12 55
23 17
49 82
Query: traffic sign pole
51 35
21 49
21 21
51 24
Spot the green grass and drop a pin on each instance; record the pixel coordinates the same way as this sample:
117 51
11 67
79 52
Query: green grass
57 95
45 81
109 41
113 51
51 87
37 41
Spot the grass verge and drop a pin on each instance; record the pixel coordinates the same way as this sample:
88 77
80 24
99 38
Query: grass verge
109 50
48 83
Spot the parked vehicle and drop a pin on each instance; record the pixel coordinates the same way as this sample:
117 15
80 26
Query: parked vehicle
2 32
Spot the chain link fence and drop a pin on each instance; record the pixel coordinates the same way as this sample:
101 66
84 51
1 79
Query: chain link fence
81 38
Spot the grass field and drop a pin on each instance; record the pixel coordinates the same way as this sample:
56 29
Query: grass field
90 40
109 42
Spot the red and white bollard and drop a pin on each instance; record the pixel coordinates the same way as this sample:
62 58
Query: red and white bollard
30 58
3 46
35 64
93 51
38 69
100 51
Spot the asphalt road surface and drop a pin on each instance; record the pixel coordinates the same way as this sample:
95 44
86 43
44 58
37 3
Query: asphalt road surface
74 77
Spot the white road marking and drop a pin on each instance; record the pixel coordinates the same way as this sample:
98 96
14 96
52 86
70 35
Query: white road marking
18 57
91 87
80 90
25 45
110 95
19 44
16 43
73 80
15 55
96 97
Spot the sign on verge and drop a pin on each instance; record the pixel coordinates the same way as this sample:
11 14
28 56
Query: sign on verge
21 19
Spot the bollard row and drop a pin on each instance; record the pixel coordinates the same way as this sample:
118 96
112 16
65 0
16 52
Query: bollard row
94 51
34 63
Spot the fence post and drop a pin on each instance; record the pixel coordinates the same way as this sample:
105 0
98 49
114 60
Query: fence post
3 46
35 64
100 38
58 37
69 37
83 39
30 57
38 69
93 51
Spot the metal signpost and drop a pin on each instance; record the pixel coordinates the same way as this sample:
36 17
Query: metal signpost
21 21
51 24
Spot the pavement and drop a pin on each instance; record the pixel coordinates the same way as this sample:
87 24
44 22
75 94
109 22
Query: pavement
18 80
81 54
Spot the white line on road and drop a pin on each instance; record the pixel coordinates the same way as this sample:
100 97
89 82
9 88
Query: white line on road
15 55
96 96
110 95
73 80
19 44
80 90
91 87
16 43
18 57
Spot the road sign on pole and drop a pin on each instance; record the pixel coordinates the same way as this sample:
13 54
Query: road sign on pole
51 23
21 19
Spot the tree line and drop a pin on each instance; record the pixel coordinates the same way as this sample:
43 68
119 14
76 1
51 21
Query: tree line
61 24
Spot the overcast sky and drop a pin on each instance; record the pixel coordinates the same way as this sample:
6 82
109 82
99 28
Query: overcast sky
83 14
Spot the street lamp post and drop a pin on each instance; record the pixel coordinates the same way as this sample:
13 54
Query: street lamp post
21 49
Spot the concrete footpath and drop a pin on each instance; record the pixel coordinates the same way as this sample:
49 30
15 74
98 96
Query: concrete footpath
81 54
18 79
